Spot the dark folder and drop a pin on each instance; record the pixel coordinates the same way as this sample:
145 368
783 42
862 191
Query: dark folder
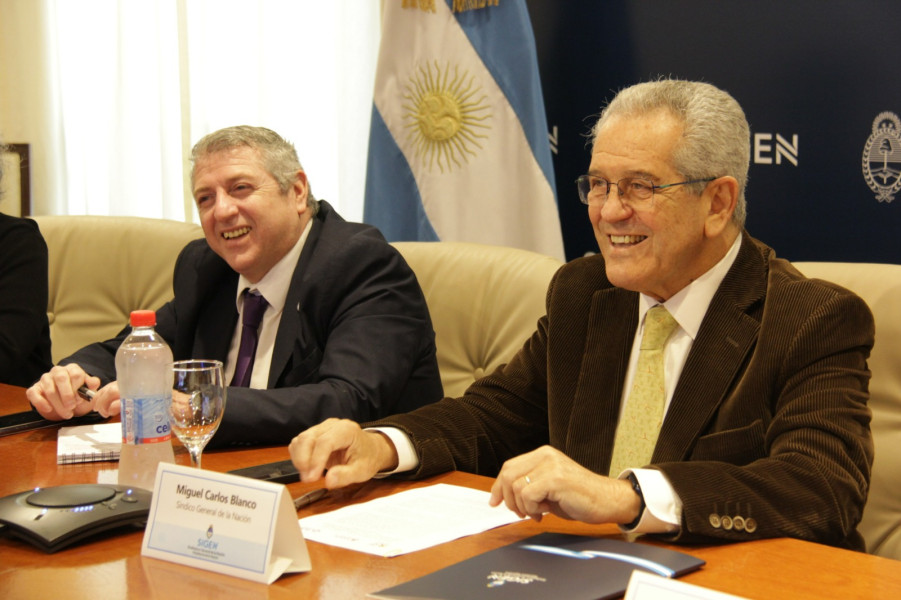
548 565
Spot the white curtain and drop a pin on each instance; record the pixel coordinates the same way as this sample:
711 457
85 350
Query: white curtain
136 83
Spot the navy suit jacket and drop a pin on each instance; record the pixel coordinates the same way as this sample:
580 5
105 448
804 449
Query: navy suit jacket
355 338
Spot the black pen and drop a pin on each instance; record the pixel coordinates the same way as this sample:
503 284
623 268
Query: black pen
85 393
309 498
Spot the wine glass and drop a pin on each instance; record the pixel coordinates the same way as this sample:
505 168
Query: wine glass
198 401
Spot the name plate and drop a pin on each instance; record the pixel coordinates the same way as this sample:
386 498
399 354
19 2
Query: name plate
224 523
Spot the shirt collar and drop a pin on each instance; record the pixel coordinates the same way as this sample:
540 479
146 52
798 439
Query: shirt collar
690 304
274 284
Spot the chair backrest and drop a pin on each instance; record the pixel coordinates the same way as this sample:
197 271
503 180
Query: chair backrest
485 302
101 268
880 287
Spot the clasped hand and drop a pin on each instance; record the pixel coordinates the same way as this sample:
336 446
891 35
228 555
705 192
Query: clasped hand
55 395
545 480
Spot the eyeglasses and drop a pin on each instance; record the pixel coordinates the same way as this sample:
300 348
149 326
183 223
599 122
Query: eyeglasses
634 192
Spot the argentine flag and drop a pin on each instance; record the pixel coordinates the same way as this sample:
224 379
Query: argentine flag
458 147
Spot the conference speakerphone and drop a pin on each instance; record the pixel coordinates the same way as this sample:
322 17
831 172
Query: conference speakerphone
56 517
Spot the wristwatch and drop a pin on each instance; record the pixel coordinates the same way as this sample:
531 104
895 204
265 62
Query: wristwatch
637 487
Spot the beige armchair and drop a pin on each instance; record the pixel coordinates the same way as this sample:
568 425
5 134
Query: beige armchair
102 268
880 286
485 302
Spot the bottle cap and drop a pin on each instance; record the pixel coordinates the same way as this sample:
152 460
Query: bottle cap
142 318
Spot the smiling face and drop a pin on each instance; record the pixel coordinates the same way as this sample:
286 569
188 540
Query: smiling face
660 249
246 218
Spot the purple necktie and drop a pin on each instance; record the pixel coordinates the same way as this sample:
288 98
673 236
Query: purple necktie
254 307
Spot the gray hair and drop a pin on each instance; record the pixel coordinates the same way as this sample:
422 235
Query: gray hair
716 138
279 157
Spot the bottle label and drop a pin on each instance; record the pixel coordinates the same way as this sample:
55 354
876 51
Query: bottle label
145 420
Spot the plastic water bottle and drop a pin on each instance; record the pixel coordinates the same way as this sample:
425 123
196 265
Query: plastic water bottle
145 392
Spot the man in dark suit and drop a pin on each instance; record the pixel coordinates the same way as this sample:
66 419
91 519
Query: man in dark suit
765 427
345 330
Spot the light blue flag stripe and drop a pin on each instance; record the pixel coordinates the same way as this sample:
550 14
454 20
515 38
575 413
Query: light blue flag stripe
504 40
402 216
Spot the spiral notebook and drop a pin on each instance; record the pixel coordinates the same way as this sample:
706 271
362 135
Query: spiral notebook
88 443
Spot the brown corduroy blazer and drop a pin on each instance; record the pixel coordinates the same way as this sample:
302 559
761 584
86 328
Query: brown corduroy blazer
768 422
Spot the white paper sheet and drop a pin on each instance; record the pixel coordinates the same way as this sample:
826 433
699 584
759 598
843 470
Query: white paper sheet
408 521
648 586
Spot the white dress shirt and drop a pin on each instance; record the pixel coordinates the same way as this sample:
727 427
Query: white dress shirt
274 288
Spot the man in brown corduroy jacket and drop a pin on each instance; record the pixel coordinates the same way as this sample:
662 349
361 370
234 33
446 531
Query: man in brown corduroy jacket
766 427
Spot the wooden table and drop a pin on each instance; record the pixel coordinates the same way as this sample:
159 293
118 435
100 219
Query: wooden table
112 566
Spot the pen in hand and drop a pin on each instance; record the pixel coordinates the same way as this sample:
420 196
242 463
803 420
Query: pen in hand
85 393
309 498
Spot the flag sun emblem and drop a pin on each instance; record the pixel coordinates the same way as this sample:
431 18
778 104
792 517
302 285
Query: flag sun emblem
446 114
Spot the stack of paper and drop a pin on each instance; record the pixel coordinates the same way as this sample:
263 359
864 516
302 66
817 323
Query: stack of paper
408 521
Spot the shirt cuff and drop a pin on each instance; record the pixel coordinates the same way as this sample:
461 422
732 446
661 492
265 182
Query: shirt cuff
406 454
664 507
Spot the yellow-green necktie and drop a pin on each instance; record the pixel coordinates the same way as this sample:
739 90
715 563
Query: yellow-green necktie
636 434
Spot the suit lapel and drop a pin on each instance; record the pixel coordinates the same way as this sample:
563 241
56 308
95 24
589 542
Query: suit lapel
610 330
727 336
289 326
217 320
